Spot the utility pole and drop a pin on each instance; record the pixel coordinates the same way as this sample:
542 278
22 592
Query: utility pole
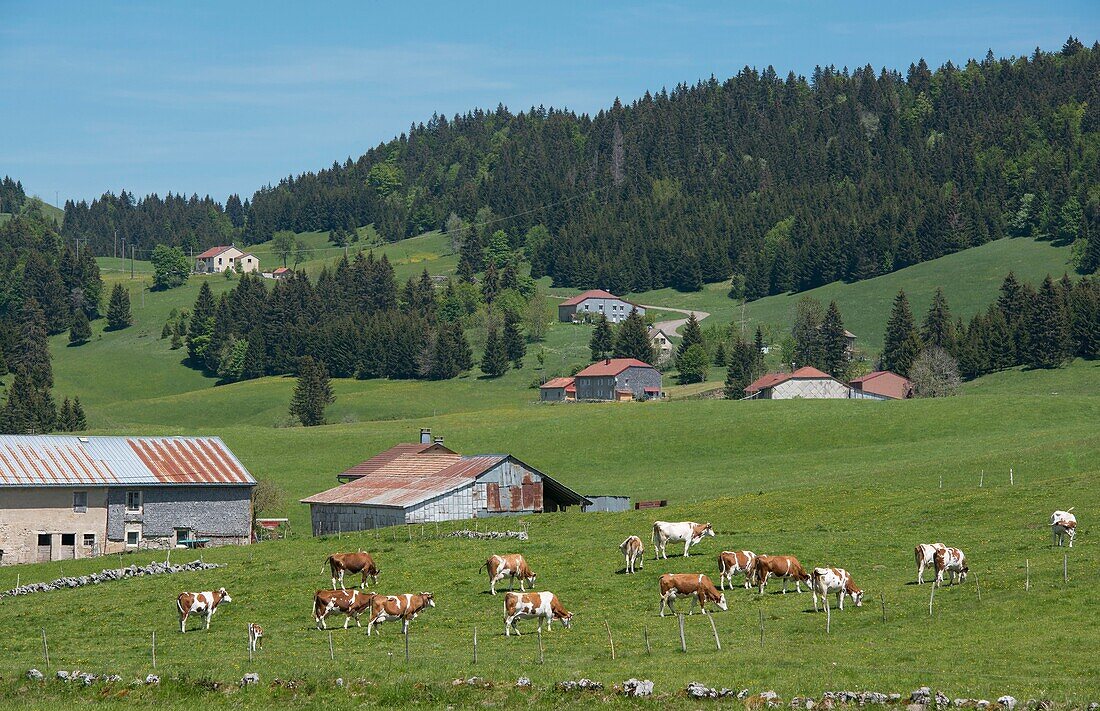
131 261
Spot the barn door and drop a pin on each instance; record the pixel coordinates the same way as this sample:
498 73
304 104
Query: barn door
45 548
68 546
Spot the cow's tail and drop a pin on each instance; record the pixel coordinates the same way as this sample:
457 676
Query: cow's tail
326 564
918 554
1070 509
623 544
722 564
179 603
656 529
484 566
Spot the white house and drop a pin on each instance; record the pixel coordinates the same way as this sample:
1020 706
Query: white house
218 259
662 344
592 303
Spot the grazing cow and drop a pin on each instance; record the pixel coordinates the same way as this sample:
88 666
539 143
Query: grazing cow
826 580
687 531
350 602
924 553
541 606
255 636
953 562
632 550
508 566
204 603
1063 524
731 563
353 563
697 585
786 567
398 607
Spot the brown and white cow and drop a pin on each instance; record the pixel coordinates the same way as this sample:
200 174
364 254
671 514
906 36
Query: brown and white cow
352 603
360 562
541 606
731 563
696 585
1063 524
510 566
632 550
255 636
828 580
925 553
786 567
200 603
953 562
687 531
398 607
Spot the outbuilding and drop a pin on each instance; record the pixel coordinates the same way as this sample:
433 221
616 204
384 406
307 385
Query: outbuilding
426 481
881 385
558 390
806 382
64 497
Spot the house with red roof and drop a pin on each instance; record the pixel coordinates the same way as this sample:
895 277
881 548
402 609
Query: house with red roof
219 259
806 382
881 385
427 481
619 379
589 305
558 390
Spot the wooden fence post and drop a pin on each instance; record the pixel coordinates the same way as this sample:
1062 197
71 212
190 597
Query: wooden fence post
248 636
1065 568
475 645
406 644
717 642
645 631
761 628
828 617
154 649
1027 574
882 599
683 642
981 481
45 648
931 597
540 643
1011 478
331 651
978 587
610 639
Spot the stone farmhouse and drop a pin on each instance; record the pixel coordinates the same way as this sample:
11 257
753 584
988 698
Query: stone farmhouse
65 497
219 259
558 390
619 379
590 304
426 481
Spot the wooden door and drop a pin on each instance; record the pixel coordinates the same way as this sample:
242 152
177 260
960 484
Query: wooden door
45 548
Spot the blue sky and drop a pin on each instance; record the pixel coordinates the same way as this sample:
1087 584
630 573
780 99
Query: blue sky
216 98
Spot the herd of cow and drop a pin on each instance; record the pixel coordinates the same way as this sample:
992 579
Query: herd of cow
545 606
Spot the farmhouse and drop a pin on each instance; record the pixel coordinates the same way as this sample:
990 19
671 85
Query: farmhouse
662 344
219 259
558 390
426 481
806 382
594 302
619 379
881 385
65 497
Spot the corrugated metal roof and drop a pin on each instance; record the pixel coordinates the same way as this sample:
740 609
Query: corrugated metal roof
770 380
400 451
68 460
409 478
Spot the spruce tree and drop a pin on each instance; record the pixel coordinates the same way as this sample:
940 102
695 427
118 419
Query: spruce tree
201 324
1085 318
902 344
602 342
118 309
80 422
806 331
834 344
312 393
80 330
745 366
451 354
32 348
632 339
167 331
65 416
692 335
692 364
490 283
1090 258
720 357
514 343
494 362
1049 339
254 357
939 329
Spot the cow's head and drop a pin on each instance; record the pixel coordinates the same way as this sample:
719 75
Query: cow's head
963 572
705 530
428 599
566 619
224 595
722 602
857 596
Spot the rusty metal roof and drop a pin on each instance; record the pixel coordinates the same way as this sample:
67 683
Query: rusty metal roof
395 453
69 460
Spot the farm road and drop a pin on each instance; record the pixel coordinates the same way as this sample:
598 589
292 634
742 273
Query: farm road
671 325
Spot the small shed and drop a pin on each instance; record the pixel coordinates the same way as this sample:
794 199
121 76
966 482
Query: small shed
881 385
558 390
606 503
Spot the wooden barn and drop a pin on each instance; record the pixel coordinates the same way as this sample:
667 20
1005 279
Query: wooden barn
426 481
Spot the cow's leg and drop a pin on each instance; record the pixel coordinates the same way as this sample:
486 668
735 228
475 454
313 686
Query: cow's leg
183 621
784 586
363 584
208 616
405 627
347 619
1071 535
665 601
691 607
687 546
814 591
493 584
839 600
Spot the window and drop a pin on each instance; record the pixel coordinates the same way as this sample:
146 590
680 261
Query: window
68 539
89 540
133 501
44 539
133 537
80 501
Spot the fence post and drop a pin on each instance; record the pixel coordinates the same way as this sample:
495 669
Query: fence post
717 642
248 636
540 641
331 651
406 643
981 481
1065 568
612 639
154 649
45 648
761 628
1027 574
978 587
683 642
931 597
882 599
828 616
475 645
1011 478
645 630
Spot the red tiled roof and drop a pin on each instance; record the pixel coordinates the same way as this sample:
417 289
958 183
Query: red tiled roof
651 390
593 294
558 383
281 270
611 366
885 383
770 380
213 252
393 454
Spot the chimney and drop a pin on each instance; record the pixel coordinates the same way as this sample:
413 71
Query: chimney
439 440
607 361
425 435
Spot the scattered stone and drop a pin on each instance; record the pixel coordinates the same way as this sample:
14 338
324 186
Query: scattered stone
981 704
472 681
638 687
88 679
580 685
916 707
152 679
799 702
1094 706
112 678
63 675
942 701
701 691
250 678
489 535
34 675
893 698
922 695
523 682
108 575
339 682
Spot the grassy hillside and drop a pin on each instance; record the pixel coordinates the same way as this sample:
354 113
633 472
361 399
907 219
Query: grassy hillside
969 279
57 214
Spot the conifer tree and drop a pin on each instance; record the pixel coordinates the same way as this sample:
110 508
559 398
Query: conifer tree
902 344
806 331
1085 318
80 422
254 357
65 416
32 348
632 339
490 283
939 328
514 343
201 324
602 343
312 393
80 330
692 364
834 344
1090 259
692 335
494 362
118 309
167 331
451 355
1049 339
745 366
720 357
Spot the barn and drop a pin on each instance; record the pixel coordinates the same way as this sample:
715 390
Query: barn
65 497
426 481
806 382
